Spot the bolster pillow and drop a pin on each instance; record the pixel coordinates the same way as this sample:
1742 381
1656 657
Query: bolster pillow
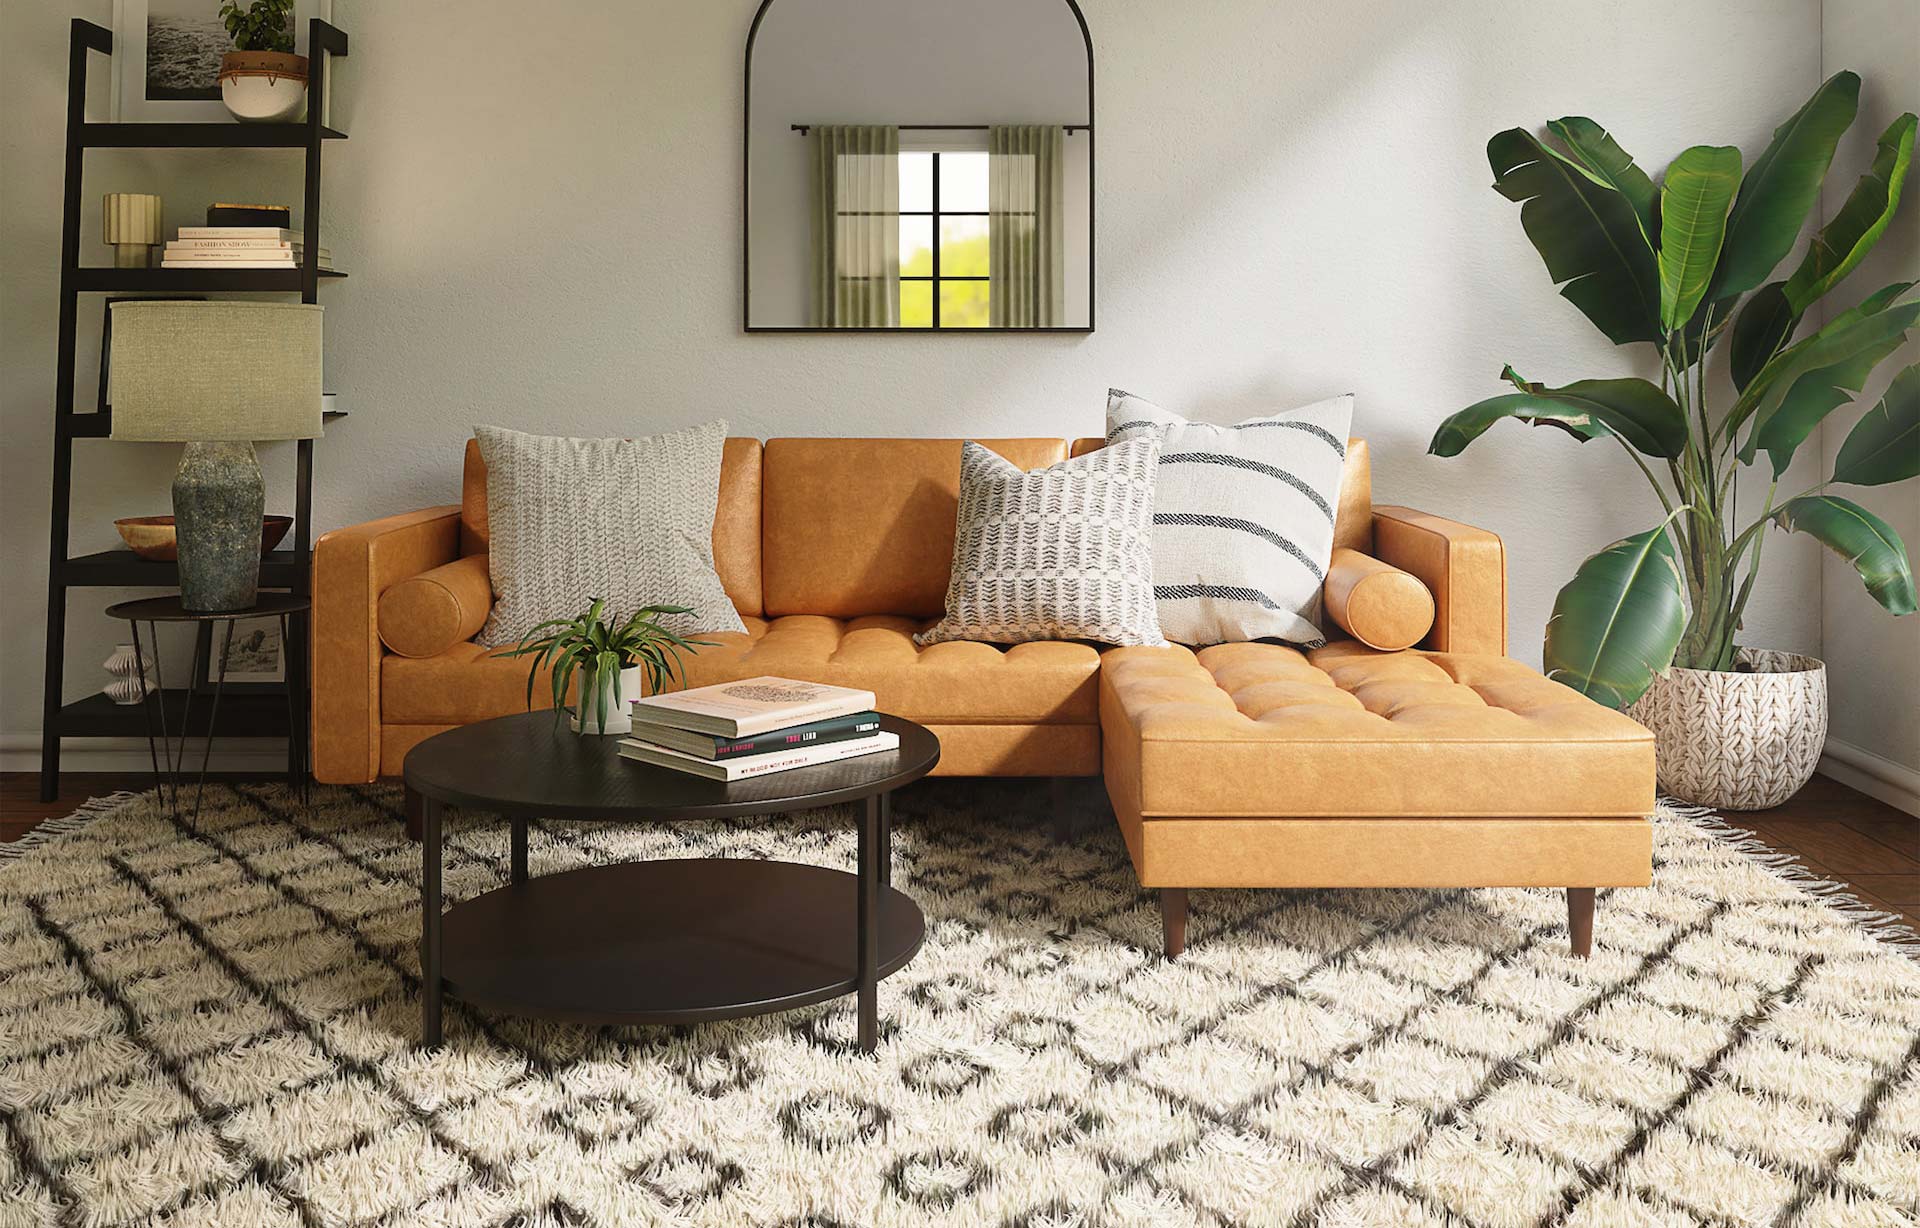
1381 606
431 612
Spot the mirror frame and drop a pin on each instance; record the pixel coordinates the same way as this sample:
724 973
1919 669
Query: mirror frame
746 217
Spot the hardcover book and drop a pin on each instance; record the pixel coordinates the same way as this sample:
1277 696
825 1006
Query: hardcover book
751 706
757 765
713 746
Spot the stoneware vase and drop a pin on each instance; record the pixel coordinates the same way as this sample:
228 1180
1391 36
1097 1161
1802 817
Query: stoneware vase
127 687
1741 740
619 716
264 87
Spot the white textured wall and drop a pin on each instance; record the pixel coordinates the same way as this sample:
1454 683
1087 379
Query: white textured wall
1873 659
541 216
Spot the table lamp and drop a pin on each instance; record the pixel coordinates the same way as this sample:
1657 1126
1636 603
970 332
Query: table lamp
216 376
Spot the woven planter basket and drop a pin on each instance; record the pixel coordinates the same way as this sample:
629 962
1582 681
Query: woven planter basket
1738 741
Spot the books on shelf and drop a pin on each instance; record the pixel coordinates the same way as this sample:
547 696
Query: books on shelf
750 706
238 247
746 768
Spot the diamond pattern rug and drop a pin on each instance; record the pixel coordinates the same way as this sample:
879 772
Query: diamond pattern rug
216 1028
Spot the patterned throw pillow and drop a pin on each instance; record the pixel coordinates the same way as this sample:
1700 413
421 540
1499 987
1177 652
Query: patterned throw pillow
1242 519
630 520
1062 553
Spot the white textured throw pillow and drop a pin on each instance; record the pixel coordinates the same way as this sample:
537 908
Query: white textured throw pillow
1242 518
630 520
1062 553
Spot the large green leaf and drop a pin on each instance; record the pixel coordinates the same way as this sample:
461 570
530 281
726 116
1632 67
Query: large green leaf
1884 446
1637 411
1594 149
1782 185
1618 621
1844 333
1825 371
1861 538
1587 233
1845 241
1694 200
1763 325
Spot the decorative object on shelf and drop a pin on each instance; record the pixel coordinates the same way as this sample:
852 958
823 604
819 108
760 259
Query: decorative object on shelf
153 537
217 376
226 213
129 685
1670 266
261 80
130 222
617 662
1742 739
256 657
167 58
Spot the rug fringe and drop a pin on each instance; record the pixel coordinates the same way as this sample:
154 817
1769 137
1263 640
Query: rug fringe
49 830
1892 929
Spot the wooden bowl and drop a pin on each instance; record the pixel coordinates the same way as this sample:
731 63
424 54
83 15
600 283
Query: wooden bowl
152 537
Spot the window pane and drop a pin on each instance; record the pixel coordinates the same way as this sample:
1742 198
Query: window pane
963 247
916 304
916 246
963 304
963 183
916 182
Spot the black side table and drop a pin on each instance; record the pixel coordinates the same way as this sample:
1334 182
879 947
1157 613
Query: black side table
162 746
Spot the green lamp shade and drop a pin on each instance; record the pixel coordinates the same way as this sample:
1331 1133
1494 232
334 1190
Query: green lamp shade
214 372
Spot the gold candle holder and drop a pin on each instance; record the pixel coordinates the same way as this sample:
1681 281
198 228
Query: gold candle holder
131 225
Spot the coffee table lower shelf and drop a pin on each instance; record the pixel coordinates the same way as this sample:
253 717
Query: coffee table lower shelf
668 942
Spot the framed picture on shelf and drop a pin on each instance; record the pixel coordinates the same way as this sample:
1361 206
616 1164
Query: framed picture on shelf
257 660
166 58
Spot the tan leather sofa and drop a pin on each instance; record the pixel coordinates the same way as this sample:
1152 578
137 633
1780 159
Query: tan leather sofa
1358 764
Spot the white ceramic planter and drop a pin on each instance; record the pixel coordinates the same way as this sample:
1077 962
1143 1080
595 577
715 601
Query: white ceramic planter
1741 740
264 87
619 716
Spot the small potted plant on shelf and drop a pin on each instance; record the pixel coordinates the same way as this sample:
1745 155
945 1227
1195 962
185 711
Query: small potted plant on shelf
615 662
1650 623
261 80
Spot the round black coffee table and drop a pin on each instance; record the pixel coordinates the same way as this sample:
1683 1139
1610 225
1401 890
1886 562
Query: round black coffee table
657 942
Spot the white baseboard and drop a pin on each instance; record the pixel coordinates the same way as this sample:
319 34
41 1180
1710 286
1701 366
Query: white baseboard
20 752
1896 784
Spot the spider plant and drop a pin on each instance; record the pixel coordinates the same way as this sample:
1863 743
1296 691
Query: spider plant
598 646
1678 266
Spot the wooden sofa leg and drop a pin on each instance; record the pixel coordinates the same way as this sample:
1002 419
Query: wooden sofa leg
414 820
1173 919
1057 802
1580 919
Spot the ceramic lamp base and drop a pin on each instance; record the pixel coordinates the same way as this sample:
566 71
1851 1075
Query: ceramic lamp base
219 497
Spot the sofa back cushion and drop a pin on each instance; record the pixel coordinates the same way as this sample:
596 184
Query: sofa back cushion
866 526
1352 519
736 522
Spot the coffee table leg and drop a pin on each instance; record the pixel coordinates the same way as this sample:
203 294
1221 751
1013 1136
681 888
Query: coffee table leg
886 839
429 921
867 943
518 871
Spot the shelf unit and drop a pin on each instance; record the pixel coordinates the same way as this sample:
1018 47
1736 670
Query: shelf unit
247 715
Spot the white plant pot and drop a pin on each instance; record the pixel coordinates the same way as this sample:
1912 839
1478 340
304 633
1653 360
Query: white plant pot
619 716
264 87
1738 740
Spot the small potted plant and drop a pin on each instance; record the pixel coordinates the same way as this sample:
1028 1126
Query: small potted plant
261 80
614 661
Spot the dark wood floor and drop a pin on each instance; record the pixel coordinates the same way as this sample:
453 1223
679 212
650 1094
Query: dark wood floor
1839 833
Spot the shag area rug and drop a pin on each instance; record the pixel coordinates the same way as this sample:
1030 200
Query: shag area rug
217 1028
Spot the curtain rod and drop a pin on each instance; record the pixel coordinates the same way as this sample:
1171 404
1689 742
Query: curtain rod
804 128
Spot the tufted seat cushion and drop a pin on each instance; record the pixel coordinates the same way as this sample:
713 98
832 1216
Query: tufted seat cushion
946 684
1346 731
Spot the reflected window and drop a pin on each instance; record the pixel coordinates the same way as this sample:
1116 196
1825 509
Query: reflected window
944 259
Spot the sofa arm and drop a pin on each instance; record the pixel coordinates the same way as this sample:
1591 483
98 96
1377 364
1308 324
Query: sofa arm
1463 567
351 568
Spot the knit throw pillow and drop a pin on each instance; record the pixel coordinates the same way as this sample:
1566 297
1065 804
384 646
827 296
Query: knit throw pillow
630 520
1062 553
1242 518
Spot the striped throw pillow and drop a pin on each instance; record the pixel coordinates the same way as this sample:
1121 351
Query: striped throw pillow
1242 518
1062 553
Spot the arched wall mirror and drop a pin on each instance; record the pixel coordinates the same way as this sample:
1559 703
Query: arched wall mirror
919 165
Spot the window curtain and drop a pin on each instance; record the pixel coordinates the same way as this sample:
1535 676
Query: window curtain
856 225
1026 243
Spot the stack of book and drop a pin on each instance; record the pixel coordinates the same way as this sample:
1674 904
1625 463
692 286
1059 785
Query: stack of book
755 727
238 247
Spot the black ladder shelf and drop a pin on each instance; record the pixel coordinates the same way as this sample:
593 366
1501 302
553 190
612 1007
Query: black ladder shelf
243 715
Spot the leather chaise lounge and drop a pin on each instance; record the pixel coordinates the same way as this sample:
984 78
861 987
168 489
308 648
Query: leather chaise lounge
1359 764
